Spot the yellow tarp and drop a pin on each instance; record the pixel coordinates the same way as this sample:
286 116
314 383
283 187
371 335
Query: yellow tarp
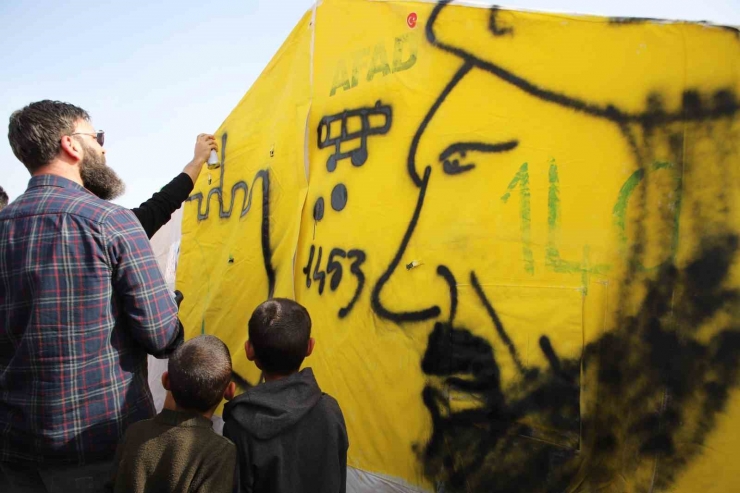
516 234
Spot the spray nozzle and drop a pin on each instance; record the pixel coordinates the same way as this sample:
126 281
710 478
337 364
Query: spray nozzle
213 161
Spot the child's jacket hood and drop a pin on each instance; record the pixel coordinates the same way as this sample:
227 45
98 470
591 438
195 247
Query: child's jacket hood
269 409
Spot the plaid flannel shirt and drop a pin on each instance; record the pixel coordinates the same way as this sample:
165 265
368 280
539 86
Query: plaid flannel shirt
82 301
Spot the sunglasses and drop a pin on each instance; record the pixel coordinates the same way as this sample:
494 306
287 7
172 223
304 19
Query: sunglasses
99 136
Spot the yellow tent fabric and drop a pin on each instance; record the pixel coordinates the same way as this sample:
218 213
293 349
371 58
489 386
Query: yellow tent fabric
516 234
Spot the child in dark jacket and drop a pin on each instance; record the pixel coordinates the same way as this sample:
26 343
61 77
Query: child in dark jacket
178 450
290 436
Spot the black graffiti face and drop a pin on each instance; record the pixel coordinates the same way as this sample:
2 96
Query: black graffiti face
660 385
436 143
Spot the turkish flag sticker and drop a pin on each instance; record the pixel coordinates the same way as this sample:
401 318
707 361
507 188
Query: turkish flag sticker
411 20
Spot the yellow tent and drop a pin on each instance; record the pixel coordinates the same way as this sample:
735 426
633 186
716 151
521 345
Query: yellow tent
516 234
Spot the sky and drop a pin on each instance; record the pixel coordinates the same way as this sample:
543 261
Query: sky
154 75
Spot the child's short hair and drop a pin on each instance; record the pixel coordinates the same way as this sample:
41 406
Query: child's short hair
199 372
279 330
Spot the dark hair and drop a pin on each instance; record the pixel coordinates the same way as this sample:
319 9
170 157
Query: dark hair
200 371
279 330
35 131
3 198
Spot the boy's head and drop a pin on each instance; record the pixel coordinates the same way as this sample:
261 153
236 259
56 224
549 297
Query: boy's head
279 336
199 374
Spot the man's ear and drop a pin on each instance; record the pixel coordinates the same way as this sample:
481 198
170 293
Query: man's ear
311 344
230 391
71 149
251 355
249 350
166 380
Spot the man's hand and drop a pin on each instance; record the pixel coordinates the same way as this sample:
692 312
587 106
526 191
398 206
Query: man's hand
179 297
204 144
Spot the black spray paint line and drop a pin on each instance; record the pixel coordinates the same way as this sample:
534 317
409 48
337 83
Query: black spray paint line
218 190
494 24
721 176
552 358
446 273
263 175
640 230
377 305
358 156
307 268
609 111
319 275
453 167
500 330
411 163
356 269
463 147
266 248
335 270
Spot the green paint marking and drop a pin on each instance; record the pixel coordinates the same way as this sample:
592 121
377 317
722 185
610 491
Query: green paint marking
513 184
553 259
661 165
620 208
625 193
526 213
521 179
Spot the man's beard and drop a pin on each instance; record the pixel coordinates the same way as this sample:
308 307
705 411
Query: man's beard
98 177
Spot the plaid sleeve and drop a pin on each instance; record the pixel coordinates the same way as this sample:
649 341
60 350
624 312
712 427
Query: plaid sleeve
137 281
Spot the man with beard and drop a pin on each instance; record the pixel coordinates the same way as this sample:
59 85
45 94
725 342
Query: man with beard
155 212
82 302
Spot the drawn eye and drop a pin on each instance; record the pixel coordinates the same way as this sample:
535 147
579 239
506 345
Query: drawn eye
452 157
452 166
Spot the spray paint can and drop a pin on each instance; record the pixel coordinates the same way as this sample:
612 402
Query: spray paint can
213 162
